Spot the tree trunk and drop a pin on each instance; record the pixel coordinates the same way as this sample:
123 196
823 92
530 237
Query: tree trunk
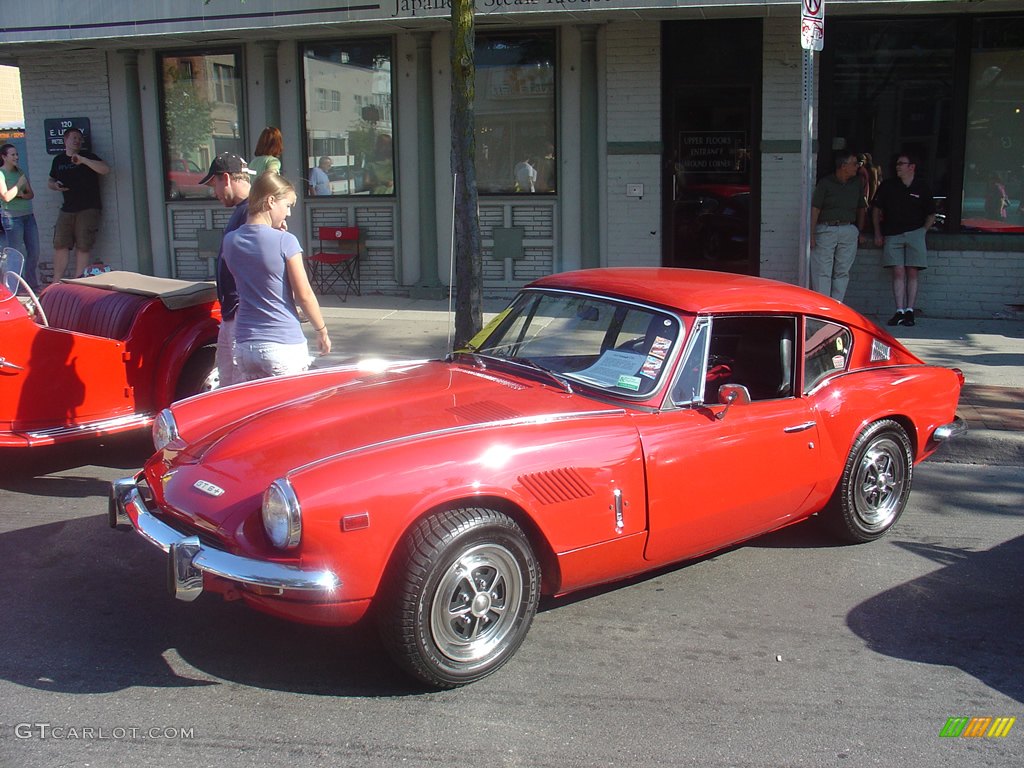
468 256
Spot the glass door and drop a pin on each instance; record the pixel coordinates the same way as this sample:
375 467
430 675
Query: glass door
712 130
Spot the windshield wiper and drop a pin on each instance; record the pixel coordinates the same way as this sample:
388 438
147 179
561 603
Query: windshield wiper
481 359
561 381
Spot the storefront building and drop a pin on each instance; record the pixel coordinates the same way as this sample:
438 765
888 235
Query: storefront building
608 132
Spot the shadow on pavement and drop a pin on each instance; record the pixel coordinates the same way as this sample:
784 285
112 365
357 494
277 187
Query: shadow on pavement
26 469
91 614
967 615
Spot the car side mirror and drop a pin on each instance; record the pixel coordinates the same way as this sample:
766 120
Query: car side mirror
729 394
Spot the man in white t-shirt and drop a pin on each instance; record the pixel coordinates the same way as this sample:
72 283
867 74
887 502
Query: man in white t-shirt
319 183
526 176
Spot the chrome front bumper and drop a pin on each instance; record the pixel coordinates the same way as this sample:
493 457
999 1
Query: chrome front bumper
189 558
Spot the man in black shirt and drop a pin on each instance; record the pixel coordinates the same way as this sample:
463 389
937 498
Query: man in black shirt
903 211
76 172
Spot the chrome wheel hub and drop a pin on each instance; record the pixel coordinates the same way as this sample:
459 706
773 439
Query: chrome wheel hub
475 605
879 488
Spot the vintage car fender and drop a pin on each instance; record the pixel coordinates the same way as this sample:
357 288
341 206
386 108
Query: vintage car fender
553 477
848 403
175 355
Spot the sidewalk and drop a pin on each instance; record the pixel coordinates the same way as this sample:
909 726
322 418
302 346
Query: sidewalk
990 352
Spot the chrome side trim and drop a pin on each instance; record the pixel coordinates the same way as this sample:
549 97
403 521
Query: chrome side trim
516 422
189 558
89 427
946 432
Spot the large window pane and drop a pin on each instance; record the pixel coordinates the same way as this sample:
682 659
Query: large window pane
349 126
892 92
994 156
201 98
515 113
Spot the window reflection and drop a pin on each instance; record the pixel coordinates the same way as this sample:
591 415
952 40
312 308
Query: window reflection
349 128
892 90
515 113
202 111
994 165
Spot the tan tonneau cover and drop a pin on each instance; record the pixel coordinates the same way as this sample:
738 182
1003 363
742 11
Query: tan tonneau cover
175 294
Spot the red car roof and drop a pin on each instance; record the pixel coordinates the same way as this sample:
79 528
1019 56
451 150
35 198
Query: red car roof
701 291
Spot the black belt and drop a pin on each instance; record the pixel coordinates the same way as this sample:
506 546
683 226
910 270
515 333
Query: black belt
836 223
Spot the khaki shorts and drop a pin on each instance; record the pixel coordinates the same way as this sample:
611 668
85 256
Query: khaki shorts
77 230
905 250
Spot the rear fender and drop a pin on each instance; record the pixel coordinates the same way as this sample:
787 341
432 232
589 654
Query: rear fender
175 355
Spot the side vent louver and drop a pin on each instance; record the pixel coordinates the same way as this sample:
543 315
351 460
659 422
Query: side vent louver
483 412
556 485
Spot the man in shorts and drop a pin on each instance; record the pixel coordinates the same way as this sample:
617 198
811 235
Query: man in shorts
76 173
903 211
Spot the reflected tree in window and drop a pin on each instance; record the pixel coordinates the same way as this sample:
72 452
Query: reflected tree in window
202 117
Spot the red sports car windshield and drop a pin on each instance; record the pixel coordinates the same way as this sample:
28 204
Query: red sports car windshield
619 347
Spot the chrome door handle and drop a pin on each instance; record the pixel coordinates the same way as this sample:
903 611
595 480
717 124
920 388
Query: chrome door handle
5 364
800 427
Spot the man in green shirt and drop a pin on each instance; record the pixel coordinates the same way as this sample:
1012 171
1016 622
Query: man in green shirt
838 211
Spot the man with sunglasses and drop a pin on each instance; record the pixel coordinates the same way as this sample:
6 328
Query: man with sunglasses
903 211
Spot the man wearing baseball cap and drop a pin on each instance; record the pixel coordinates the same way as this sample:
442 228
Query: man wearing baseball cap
230 178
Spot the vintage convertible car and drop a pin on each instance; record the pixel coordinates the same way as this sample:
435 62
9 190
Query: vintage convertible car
607 423
101 355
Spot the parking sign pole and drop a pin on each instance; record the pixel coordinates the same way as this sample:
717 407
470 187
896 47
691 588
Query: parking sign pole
812 38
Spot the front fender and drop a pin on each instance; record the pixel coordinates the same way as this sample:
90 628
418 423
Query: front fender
356 508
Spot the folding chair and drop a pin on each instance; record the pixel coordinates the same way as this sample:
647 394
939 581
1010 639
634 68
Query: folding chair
335 261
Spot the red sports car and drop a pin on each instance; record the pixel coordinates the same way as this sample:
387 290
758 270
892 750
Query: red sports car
607 423
101 355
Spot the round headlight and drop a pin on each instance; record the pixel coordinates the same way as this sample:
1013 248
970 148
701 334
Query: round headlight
282 516
164 429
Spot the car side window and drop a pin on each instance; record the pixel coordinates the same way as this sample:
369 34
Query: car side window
753 351
826 351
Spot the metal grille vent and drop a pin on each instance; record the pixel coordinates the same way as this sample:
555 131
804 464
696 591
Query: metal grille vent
484 411
556 485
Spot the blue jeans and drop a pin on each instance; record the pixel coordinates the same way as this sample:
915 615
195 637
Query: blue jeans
22 234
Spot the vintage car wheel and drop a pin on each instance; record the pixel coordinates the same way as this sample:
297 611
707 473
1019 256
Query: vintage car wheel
875 485
461 597
199 374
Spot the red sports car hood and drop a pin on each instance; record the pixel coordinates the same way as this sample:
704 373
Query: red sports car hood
314 418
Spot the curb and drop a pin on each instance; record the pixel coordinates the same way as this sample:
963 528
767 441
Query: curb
983 446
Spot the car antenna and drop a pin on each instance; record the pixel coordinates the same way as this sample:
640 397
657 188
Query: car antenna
449 347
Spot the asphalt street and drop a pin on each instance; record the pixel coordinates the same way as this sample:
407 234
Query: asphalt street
787 651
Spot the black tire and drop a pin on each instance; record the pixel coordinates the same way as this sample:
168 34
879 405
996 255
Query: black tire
460 597
199 373
873 491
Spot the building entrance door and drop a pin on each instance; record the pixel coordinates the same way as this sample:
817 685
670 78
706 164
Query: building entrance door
711 110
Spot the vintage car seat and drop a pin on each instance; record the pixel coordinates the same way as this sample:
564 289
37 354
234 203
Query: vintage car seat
764 358
95 311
